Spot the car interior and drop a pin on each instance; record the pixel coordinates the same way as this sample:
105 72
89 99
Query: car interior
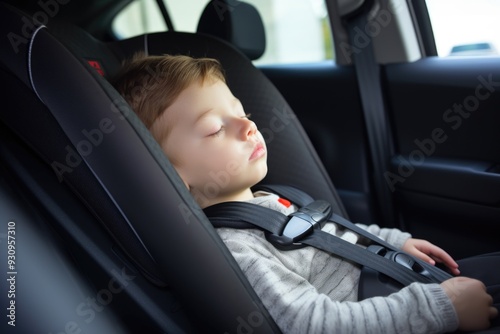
107 237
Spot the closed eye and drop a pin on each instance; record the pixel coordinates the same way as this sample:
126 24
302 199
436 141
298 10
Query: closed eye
217 133
222 129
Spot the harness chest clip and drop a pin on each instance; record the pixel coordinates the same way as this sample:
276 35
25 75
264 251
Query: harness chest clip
301 223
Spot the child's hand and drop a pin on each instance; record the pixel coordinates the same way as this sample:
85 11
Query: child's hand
430 253
471 302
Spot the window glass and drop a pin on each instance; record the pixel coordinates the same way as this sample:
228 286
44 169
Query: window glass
139 17
465 27
296 30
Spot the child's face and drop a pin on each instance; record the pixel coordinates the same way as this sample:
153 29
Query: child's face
215 148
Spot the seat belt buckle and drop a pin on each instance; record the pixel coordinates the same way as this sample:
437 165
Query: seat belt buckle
301 223
401 258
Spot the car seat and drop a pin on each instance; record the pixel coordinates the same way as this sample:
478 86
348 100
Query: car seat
237 22
62 117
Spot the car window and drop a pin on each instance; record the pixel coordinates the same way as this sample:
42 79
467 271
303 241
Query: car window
297 31
465 27
138 17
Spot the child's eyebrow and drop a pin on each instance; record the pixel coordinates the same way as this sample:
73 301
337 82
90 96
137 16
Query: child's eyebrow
204 113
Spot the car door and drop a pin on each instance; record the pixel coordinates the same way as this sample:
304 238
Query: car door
443 173
444 110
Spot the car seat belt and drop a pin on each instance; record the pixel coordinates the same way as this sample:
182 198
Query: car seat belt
303 228
376 122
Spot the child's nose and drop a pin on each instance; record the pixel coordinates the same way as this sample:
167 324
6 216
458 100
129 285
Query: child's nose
248 129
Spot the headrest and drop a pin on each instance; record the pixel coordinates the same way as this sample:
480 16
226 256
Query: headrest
237 22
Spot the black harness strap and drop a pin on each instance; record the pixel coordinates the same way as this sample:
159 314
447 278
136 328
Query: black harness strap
297 196
303 228
301 199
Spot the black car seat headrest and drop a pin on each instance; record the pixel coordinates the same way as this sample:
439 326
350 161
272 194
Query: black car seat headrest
237 22
276 121
292 159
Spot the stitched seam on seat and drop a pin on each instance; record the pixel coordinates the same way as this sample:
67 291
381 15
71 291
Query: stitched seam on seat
29 60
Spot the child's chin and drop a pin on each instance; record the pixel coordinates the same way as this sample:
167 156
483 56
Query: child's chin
263 174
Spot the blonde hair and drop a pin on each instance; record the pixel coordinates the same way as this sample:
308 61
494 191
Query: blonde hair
150 84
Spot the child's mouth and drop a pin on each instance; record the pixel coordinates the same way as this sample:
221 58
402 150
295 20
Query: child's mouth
258 152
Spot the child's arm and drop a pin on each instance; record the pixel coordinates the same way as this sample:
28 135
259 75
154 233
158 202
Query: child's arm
421 249
296 289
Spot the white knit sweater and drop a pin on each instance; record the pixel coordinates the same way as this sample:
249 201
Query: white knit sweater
311 291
